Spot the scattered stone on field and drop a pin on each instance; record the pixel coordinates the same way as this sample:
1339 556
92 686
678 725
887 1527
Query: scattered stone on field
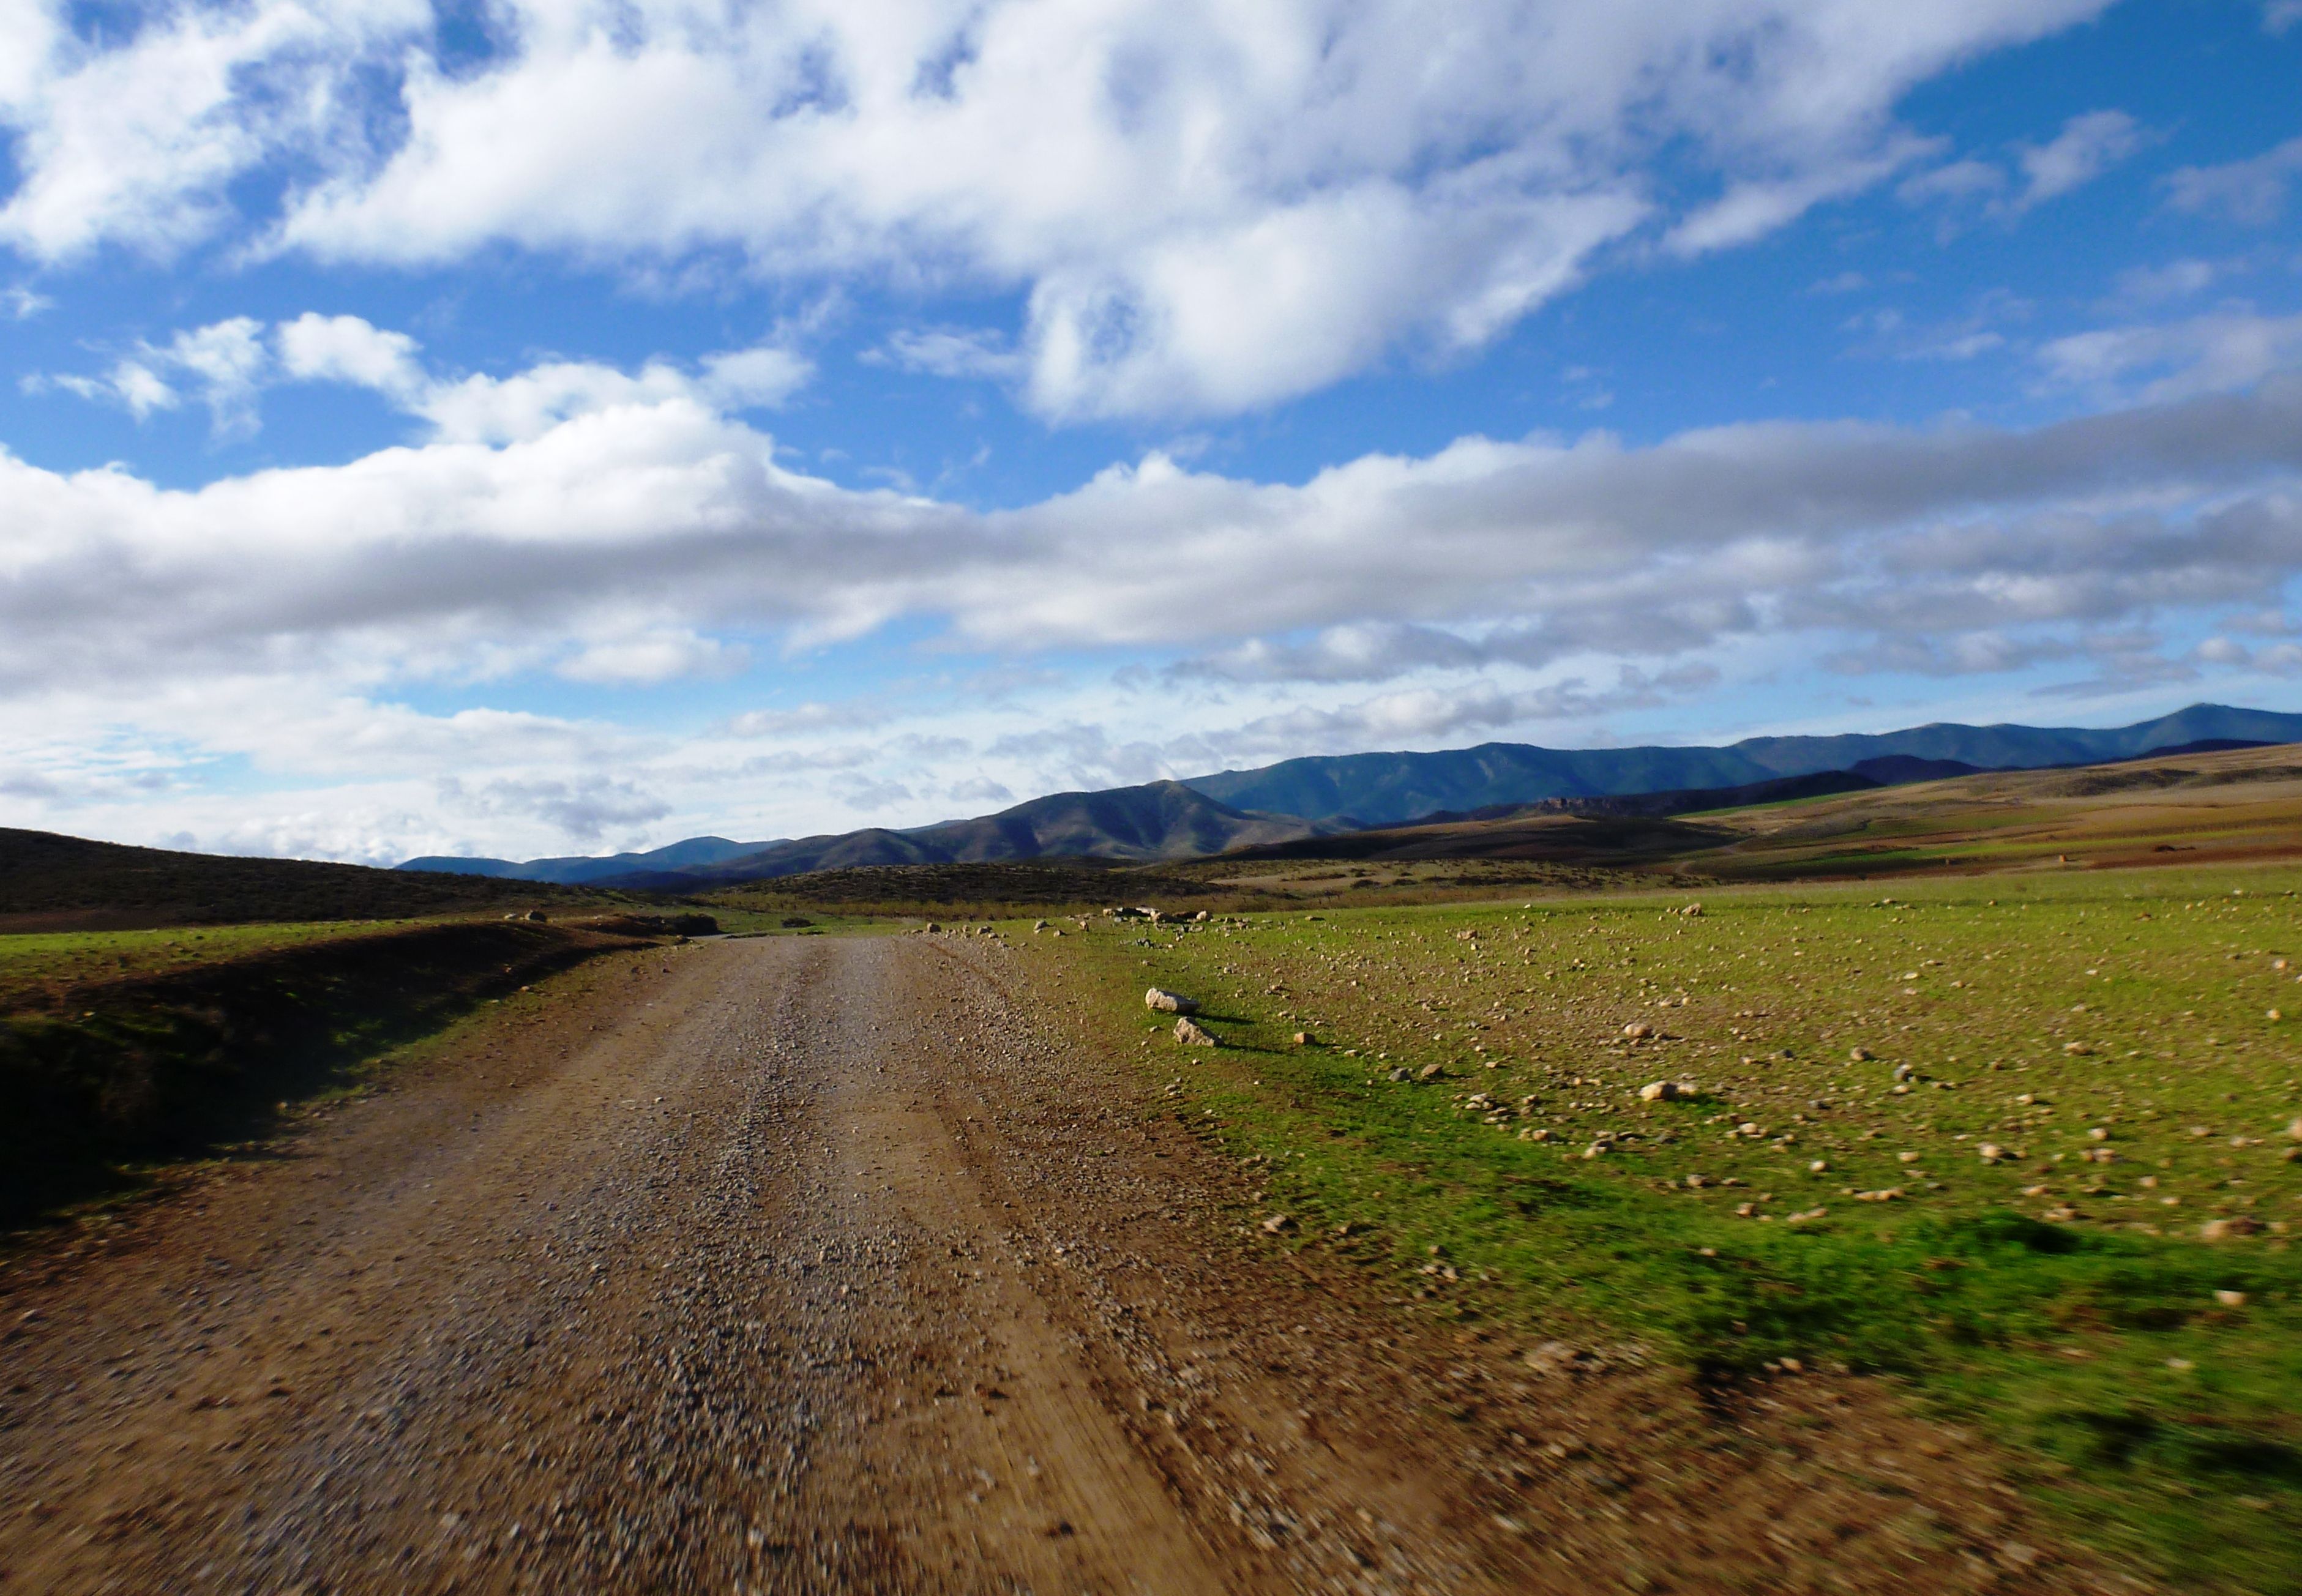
1907 1157
1693 911
2221 1230
1431 1071
1468 934
2294 1130
1990 1152
1196 1035
1665 1091
1534 1133
1171 1002
1819 1166
1558 1358
1638 1030
1277 1223
2061 1214
1903 1071
1860 1055
2230 1300
2078 1049
1402 1073
1038 925
1697 1182
1304 1038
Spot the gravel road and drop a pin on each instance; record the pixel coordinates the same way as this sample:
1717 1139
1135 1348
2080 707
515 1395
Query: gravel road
841 1264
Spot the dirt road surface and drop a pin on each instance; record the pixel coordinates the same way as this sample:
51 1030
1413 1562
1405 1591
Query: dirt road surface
799 1264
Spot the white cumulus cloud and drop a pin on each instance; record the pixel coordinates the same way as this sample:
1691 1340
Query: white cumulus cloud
1204 207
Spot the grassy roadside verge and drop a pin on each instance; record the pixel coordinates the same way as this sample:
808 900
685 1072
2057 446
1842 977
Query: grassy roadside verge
101 1077
2033 1100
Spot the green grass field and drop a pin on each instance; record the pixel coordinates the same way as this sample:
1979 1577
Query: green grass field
2020 1144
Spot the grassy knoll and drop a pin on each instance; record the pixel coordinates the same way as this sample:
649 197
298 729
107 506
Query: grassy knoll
1974 1136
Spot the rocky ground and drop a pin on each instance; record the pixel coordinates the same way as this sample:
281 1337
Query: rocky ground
841 1264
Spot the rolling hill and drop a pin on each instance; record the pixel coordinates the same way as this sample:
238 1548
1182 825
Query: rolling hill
1300 801
2227 806
1159 820
578 870
52 882
1374 789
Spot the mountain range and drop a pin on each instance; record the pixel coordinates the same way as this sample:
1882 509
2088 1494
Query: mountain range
1325 795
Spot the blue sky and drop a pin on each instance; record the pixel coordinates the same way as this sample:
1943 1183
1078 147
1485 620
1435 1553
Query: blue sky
532 427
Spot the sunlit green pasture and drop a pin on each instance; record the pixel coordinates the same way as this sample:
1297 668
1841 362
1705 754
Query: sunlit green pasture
2022 1142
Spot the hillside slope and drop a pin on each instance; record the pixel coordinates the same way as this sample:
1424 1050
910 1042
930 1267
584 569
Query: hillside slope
1159 820
48 880
576 870
2224 807
1374 789
1309 798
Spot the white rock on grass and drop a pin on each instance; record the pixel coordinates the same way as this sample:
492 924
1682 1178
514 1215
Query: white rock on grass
2221 1230
1168 1003
1196 1035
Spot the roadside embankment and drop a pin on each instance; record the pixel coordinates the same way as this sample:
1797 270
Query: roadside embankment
99 1076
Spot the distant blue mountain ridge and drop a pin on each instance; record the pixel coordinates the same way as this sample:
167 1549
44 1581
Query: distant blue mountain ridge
1324 794
580 870
1376 789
